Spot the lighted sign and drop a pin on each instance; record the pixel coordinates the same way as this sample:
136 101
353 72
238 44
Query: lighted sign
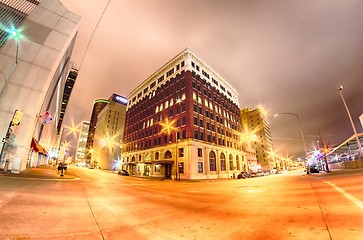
120 99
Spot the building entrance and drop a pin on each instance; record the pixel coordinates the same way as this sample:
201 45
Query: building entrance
168 168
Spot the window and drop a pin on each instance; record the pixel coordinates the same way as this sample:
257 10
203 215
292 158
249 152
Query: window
212 161
230 162
200 167
181 168
223 162
223 165
195 108
184 134
170 72
195 121
237 162
157 168
200 153
167 155
181 152
196 133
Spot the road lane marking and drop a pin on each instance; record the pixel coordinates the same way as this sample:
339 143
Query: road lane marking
347 195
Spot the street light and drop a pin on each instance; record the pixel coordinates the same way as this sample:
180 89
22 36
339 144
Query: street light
14 34
351 121
168 127
301 131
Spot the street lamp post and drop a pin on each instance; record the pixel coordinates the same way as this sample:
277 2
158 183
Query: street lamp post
15 34
301 131
351 122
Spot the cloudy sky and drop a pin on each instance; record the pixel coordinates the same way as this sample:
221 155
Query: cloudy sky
289 56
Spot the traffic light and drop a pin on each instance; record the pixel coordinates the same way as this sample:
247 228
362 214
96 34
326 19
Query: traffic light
17 117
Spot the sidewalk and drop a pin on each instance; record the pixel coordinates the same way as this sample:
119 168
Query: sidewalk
42 172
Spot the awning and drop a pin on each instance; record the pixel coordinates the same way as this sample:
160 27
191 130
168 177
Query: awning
164 161
37 148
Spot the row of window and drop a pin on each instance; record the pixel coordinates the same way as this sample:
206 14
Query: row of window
212 162
159 80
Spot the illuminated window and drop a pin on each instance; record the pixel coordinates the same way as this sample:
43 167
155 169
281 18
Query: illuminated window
194 96
157 168
183 96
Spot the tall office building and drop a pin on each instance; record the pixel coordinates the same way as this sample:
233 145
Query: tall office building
98 105
67 90
34 60
109 132
183 122
82 141
255 122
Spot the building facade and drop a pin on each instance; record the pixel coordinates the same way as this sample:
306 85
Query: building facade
108 134
34 63
183 122
68 87
82 141
98 105
257 129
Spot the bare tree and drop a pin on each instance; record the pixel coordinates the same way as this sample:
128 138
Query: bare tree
325 149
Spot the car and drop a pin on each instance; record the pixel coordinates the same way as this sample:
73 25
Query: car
243 175
314 169
123 173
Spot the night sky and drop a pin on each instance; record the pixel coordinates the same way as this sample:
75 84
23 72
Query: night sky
289 56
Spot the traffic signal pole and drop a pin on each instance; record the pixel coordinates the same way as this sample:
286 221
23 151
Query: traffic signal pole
6 138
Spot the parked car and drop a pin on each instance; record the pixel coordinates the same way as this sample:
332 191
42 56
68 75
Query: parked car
243 175
314 169
123 173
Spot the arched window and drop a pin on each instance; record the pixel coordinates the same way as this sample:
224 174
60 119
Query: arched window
212 161
230 162
167 154
223 162
140 158
157 156
133 159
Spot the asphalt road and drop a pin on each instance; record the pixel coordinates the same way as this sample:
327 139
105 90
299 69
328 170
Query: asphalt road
100 205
